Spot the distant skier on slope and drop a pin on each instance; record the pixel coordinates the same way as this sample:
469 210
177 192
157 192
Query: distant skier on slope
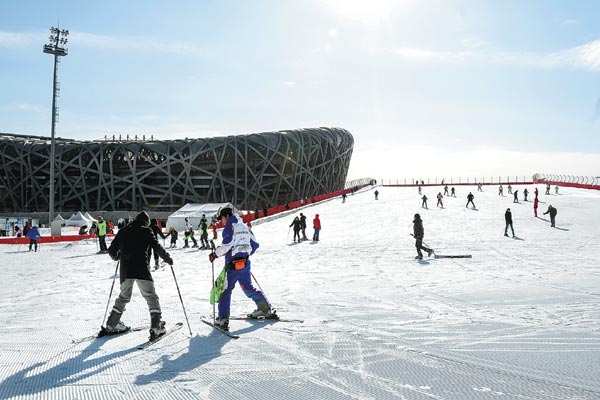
500 191
419 233
552 211
316 227
297 226
424 203
446 190
452 192
303 226
132 247
173 233
525 194
33 234
237 246
439 200
376 194
470 198
509 222
509 189
479 187
535 206
157 232
516 196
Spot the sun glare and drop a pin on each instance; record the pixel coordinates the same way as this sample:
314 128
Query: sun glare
366 12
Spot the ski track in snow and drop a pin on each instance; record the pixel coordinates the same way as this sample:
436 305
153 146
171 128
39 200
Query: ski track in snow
519 320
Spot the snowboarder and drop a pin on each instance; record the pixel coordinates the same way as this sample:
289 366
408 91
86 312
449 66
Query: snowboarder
552 211
516 196
525 194
157 232
173 233
446 190
424 203
535 206
296 224
316 227
453 192
419 233
102 234
376 194
509 189
33 234
439 200
131 247
509 222
237 246
470 198
303 226
500 191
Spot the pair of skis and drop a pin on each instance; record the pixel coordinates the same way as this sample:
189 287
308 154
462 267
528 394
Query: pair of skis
242 318
103 333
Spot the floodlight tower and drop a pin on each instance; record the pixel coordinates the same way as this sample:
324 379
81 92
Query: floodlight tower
57 39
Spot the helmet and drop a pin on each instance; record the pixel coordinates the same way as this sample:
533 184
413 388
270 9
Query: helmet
225 212
144 218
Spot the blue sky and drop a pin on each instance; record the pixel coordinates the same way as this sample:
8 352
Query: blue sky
427 88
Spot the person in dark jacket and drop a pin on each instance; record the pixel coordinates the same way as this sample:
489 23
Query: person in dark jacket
419 233
470 198
303 226
552 211
516 196
424 203
157 232
296 224
376 194
173 233
131 247
509 222
525 194
204 234
33 234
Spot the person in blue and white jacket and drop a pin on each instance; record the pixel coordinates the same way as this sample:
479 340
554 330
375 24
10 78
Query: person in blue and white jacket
237 246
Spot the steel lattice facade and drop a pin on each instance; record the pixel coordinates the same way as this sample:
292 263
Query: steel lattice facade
252 171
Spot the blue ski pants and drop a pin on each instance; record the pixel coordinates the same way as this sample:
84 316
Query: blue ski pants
244 277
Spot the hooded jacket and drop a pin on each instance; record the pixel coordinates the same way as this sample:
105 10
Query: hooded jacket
132 247
418 229
317 222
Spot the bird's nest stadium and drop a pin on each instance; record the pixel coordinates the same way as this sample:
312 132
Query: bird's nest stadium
252 171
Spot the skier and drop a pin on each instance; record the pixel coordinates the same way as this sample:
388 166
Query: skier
516 196
470 198
26 228
189 234
237 246
33 234
446 190
509 189
344 198
535 206
296 224
18 231
500 191
509 222
552 211
419 190
132 247
556 189
303 226
102 234
439 200
479 185
376 194
317 228
525 194
536 192
424 203
547 188
204 234
419 233
173 233
453 192
157 232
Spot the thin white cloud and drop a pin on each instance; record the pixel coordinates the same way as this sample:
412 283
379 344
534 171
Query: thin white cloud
105 42
570 21
586 57
25 107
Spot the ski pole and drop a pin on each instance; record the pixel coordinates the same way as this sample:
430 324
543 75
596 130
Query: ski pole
422 242
261 290
288 235
111 290
212 263
182 306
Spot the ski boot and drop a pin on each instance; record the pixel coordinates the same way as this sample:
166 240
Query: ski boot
429 253
222 323
263 312
157 325
114 325
418 257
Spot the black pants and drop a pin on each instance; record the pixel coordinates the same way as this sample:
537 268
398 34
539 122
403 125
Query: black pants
470 201
419 246
33 242
511 228
296 234
552 221
102 241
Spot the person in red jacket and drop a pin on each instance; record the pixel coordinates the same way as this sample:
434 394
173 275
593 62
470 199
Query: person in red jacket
317 227
535 206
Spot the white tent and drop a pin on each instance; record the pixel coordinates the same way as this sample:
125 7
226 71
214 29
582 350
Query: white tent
89 217
78 220
194 212
58 218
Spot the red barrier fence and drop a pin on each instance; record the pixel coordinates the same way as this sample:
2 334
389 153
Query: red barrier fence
583 182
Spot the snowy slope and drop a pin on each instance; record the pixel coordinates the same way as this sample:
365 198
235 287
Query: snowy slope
519 320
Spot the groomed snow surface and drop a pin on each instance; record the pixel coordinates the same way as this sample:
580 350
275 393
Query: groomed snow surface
520 320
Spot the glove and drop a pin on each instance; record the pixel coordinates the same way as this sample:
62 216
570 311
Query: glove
212 256
115 256
169 260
